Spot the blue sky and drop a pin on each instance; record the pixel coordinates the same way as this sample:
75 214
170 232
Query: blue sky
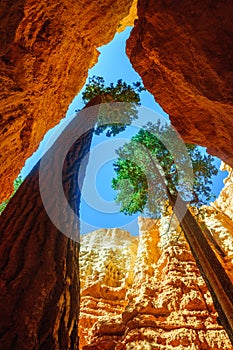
97 208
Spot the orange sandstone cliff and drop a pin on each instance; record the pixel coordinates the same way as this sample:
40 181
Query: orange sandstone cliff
46 49
146 292
183 52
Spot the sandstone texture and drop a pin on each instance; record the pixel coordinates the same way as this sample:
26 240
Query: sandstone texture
225 200
128 21
46 49
183 52
218 217
145 292
106 272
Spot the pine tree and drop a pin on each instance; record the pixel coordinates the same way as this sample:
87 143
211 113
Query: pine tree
134 175
147 175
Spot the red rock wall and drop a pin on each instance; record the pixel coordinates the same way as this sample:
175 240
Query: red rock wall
183 52
46 49
164 305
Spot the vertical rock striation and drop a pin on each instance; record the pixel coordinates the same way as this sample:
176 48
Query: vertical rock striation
106 273
166 305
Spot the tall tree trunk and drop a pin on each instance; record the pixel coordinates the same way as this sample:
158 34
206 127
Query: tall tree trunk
216 278
39 281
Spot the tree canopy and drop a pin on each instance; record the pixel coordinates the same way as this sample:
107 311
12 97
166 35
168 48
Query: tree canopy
113 118
141 189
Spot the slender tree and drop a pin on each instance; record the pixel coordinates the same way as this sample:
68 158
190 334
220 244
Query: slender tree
39 281
147 175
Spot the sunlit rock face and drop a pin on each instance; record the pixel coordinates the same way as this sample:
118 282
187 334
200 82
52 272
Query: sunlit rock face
106 272
145 292
46 49
225 200
183 53
218 217
221 228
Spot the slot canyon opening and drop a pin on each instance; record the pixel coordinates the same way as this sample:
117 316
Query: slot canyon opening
113 64
107 227
40 274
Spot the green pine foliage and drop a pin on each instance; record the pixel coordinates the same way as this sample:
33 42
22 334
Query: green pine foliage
141 189
113 118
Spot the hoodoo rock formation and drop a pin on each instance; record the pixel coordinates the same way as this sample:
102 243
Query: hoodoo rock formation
46 50
183 52
145 292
